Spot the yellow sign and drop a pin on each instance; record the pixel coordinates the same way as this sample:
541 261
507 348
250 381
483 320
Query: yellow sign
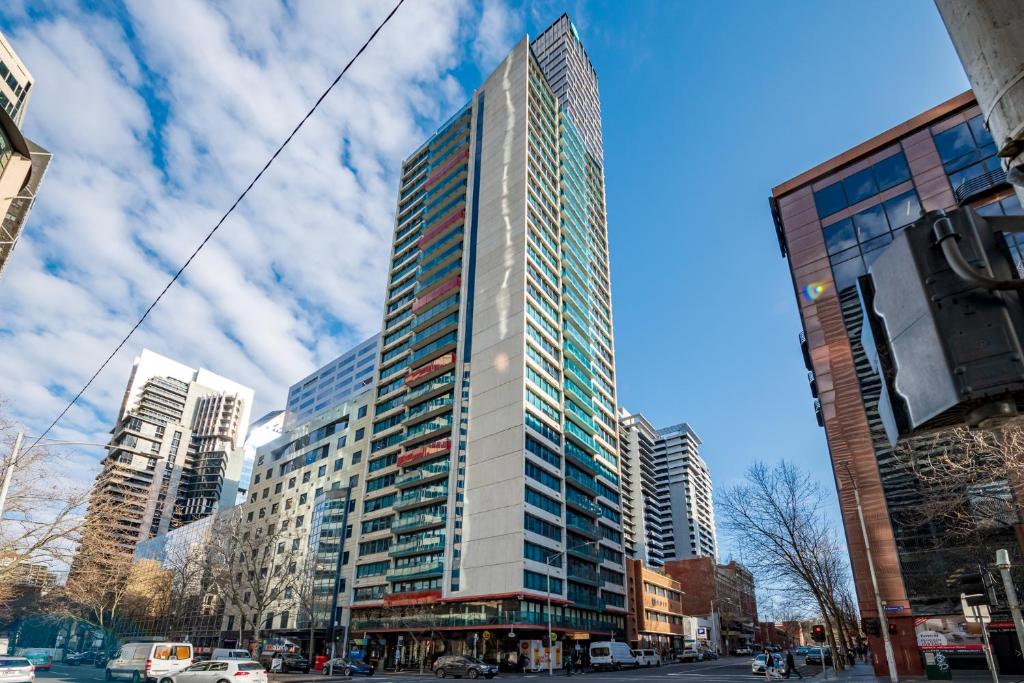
487 635
580 636
554 636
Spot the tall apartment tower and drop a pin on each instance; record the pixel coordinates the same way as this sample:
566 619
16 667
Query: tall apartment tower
175 455
495 400
646 518
22 162
832 222
666 493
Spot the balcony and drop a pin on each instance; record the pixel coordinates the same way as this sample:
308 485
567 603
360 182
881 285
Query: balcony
583 575
583 528
577 500
417 523
417 546
586 601
416 571
435 470
584 552
429 494
978 186
588 485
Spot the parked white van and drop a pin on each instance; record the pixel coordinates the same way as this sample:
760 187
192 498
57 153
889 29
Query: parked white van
226 655
612 655
149 661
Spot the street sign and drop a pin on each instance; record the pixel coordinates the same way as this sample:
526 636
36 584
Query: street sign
581 635
554 636
974 613
893 608
487 635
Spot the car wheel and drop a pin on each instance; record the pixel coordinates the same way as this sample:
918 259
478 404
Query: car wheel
473 673
348 671
166 680
223 681
439 673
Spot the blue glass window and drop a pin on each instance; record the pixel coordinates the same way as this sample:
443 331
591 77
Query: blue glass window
870 223
892 171
830 199
860 186
902 209
846 273
967 151
839 236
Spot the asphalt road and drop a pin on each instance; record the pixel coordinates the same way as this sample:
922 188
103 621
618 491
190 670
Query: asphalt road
725 670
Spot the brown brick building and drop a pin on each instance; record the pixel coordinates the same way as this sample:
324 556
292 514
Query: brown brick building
722 593
832 222
655 616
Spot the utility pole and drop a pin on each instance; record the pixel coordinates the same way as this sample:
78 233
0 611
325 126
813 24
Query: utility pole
1003 562
890 655
9 473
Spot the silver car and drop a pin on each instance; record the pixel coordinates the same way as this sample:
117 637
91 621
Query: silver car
17 670
757 664
219 671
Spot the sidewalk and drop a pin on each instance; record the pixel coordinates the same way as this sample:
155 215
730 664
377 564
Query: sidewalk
863 673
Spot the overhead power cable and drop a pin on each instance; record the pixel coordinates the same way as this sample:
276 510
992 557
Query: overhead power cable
220 222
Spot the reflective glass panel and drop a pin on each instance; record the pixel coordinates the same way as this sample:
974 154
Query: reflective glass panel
830 199
892 171
902 209
860 186
870 223
839 236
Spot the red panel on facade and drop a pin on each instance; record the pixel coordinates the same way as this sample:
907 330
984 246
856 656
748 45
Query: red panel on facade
423 452
441 227
424 370
454 161
412 598
448 286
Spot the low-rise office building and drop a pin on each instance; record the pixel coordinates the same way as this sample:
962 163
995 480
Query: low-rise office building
721 593
655 618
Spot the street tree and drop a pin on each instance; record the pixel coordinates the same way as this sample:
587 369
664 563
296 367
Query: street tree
253 567
777 517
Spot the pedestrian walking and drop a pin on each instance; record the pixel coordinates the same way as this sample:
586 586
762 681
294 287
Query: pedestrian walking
850 658
568 665
791 665
523 662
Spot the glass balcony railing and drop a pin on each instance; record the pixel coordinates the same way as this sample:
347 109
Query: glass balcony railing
583 482
427 472
581 502
427 406
586 601
415 522
583 527
417 546
429 426
423 495
423 569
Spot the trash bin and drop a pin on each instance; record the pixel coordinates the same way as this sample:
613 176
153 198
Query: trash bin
319 661
936 667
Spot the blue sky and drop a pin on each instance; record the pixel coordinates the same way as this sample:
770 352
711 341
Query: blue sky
159 113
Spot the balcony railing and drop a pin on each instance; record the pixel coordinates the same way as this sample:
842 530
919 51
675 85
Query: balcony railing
417 546
979 185
423 569
417 522
431 471
424 495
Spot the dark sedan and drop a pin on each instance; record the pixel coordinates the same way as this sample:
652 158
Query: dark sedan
346 667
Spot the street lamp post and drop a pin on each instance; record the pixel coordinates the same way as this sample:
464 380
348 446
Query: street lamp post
890 656
332 627
1003 563
547 566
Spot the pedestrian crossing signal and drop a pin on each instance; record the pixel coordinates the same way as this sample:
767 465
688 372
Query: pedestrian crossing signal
818 633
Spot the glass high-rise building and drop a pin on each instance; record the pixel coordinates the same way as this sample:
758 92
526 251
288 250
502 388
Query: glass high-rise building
832 222
494 451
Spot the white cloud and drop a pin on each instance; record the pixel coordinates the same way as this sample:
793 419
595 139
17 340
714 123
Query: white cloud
157 119
499 28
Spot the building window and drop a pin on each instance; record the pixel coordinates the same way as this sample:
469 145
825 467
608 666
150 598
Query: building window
888 172
341 440
321 471
541 582
338 464
360 433
967 151
361 413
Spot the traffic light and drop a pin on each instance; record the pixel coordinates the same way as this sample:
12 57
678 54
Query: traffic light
892 629
818 633
872 626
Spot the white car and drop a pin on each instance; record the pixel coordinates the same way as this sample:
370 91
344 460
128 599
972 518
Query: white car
17 670
647 657
220 671
757 664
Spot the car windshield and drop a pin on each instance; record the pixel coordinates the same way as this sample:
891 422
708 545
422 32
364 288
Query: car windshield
9 662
